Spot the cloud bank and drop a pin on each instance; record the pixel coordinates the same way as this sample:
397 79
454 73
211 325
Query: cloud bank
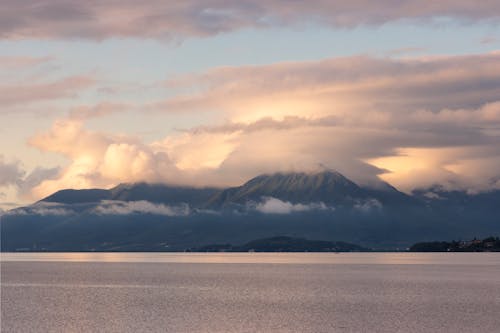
414 122
165 19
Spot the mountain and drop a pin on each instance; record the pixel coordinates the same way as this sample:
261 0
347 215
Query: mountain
78 196
160 193
328 187
293 187
156 193
321 205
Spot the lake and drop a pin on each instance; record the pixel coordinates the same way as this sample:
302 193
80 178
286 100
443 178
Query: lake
250 292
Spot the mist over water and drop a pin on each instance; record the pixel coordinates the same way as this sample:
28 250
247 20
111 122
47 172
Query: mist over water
253 292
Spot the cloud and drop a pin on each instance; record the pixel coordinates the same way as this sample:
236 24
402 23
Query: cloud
84 112
34 178
5 206
410 121
139 207
24 93
368 205
334 86
160 19
298 114
131 161
472 168
69 138
10 172
200 151
267 123
272 205
99 159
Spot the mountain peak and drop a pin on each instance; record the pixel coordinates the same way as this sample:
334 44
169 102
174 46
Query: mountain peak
301 180
324 186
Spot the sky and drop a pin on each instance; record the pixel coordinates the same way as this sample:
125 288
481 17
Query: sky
213 93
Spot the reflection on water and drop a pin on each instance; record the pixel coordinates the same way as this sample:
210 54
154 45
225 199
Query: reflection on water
200 293
272 258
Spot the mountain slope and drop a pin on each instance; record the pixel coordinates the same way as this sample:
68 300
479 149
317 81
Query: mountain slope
326 186
160 193
156 193
329 187
155 217
78 196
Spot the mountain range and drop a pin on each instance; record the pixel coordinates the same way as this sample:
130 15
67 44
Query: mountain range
321 205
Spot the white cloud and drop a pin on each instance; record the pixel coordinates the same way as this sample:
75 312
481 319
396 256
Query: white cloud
108 207
98 159
368 205
272 205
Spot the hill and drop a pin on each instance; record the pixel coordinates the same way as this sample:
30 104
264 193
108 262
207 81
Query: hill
490 244
283 244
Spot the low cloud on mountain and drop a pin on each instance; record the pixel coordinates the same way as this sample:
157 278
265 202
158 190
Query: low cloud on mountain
43 209
368 206
139 207
271 205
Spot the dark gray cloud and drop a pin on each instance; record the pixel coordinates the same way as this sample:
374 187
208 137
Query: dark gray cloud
10 172
166 19
34 178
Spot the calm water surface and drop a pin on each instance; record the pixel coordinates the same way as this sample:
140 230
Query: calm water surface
250 292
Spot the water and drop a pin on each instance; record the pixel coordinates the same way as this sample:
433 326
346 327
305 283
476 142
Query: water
254 292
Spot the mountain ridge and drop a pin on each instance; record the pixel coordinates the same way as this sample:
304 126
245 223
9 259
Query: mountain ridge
329 187
155 217
295 187
153 192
